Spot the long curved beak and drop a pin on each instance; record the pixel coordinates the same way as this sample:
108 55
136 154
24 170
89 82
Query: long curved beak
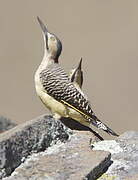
44 29
80 64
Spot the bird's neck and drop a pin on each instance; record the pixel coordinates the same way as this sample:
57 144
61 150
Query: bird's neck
47 61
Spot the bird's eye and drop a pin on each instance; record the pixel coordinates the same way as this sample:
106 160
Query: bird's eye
52 38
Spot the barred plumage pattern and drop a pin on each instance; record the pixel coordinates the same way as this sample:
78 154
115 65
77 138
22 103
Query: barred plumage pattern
58 85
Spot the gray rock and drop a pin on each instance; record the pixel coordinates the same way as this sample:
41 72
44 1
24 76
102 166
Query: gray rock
33 136
44 149
73 160
6 124
124 153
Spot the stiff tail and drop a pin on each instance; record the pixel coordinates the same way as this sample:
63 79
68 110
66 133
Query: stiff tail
96 122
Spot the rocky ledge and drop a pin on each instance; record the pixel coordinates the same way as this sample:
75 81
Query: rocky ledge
44 149
6 124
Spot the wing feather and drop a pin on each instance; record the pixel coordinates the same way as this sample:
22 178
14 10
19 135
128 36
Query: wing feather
58 85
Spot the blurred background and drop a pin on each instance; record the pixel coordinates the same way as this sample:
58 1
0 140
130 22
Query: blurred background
103 32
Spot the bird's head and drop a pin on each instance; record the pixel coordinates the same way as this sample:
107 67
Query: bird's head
53 45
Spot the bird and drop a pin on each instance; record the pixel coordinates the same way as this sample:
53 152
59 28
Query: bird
57 92
76 75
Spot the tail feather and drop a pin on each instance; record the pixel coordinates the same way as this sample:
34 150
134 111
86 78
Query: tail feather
96 122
